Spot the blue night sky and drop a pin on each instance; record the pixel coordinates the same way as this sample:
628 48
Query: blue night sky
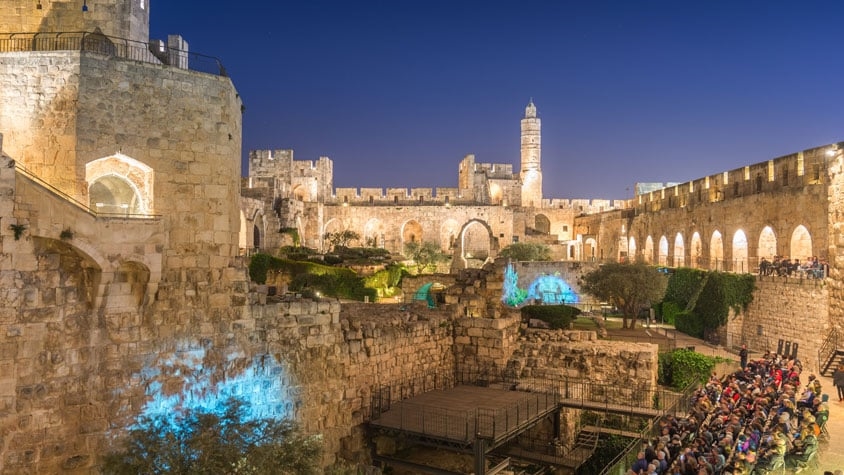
397 92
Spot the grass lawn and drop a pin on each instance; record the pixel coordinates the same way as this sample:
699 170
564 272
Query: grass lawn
586 323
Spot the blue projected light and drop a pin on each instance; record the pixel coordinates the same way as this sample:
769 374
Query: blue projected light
183 383
551 289
548 289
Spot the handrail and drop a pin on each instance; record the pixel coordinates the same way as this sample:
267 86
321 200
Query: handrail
154 52
32 176
621 462
85 208
827 349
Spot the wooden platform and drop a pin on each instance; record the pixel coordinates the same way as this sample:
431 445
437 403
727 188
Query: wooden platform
464 413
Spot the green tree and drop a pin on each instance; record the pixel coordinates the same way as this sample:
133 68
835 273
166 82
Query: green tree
341 238
526 251
426 255
627 286
224 441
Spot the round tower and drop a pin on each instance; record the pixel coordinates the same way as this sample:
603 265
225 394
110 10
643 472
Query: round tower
128 19
531 171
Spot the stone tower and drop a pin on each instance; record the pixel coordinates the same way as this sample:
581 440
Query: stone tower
531 172
127 19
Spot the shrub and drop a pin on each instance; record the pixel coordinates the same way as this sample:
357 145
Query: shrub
556 316
683 367
222 441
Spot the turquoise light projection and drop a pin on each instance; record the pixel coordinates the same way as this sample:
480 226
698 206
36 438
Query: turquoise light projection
185 382
511 294
551 289
547 289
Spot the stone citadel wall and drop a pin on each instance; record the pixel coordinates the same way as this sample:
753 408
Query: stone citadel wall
791 310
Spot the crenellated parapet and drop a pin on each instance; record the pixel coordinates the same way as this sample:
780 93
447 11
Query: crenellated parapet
787 174
398 196
585 206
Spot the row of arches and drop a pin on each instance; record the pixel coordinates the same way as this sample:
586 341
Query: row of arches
739 254
472 240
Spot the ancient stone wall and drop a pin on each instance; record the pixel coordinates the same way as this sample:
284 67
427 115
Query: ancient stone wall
792 310
556 355
121 19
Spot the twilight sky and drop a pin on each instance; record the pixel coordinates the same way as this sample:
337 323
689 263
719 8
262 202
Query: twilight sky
397 92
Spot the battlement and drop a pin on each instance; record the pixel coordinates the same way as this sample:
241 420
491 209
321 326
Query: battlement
787 173
495 170
269 163
585 206
398 196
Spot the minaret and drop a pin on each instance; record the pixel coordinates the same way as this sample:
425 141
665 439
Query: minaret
531 172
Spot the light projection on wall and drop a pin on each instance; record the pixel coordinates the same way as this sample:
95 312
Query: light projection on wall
545 289
185 382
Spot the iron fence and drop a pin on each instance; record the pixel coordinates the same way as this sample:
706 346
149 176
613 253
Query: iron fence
681 404
155 52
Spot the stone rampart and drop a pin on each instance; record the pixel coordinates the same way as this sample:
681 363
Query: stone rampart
792 310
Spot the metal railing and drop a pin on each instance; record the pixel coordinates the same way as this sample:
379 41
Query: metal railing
624 460
827 349
155 52
70 199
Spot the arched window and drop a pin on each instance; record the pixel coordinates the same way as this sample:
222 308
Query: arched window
119 185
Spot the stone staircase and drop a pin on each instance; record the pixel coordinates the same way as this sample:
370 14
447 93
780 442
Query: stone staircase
831 354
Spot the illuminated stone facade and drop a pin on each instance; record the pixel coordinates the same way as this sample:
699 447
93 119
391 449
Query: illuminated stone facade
120 234
491 207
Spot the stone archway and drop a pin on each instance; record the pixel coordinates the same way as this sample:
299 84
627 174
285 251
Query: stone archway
801 243
631 249
542 224
695 250
258 230
411 232
679 251
649 250
767 247
333 225
476 245
120 185
739 263
662 258
716 251
374 233
448 234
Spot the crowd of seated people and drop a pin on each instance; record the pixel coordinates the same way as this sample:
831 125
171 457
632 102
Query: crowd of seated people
812 268
755 421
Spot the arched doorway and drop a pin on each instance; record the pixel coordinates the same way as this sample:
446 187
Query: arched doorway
649 250
679 251
119 185
739 252
411 232
767 244
801 244
716 251
475 245
373 233
663 251
542 224
696 249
